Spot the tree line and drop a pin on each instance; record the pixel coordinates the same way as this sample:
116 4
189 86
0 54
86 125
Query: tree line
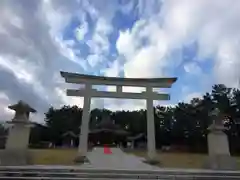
185 124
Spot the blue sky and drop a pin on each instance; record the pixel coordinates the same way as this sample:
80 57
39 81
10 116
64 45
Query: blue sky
195 41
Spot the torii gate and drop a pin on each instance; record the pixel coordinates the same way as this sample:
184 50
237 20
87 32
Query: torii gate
88 92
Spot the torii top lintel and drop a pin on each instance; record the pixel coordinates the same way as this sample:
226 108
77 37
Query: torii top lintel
76 78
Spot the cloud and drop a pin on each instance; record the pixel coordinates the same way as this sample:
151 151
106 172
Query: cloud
192 95
148 45
81 31
192 68
32 54
40 38
34 47
113 70
99 43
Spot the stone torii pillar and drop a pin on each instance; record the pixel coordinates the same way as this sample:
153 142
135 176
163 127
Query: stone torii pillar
16 147
151 142
83 136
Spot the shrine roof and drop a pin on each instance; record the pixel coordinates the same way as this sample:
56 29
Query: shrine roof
139 136
69 133
107 125
113 131
99 80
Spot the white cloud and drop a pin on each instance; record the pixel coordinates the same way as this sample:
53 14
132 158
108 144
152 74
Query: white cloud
7 114
125 44
57 16
178 23
81 31
103 26
99 44
33 50
228 63
17 67
78 101
69 52
113 70
188 94
192 68
32 53
94 59
192 95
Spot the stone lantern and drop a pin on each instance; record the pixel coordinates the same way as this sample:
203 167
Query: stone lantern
16 148
218 147
19 131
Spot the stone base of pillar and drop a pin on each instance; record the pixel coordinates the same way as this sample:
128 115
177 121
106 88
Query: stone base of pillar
220 162
152 161
81 159
15 157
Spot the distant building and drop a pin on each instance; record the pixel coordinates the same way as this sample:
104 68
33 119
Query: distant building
107 132
69 139
139 141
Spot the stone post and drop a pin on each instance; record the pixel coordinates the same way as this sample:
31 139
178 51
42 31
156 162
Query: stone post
83 136
16 147
218 148
151 143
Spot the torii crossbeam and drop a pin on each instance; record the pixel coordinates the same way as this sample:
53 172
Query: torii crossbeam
88 92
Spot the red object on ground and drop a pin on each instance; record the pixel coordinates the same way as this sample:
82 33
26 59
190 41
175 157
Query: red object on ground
107 150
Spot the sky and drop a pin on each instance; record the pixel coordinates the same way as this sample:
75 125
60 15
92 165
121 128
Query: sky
197 41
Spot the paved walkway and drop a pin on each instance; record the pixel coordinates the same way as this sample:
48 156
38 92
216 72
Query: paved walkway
116 160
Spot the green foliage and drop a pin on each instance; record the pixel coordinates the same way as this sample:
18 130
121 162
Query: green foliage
62 120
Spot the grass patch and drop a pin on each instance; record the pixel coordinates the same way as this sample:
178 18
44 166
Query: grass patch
53 156
167 160
177 160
